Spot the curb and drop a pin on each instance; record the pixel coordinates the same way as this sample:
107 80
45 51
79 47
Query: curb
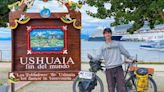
20 85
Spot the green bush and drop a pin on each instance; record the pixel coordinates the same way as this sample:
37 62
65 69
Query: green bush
1 83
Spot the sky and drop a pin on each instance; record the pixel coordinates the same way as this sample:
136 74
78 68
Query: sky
5 33
89 23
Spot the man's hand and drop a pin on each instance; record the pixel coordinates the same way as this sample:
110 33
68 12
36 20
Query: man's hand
131 61
90 56
135 61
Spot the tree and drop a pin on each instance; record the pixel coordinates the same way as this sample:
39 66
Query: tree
130 11
4 11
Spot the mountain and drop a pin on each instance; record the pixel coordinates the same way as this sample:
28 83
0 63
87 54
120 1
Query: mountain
4 39
84 36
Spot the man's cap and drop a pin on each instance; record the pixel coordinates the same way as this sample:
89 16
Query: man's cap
107 30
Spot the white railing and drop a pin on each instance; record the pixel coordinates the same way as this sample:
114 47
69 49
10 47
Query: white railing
85 52
5 55
0 55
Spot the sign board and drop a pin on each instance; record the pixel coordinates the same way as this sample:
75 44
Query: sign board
45 45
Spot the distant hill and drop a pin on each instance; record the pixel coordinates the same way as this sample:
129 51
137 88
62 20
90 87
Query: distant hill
84 36
4 39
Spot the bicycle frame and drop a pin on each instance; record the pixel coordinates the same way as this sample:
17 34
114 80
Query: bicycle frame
142 80
87 84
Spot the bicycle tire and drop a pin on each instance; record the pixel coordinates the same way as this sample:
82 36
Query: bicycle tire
150 79
98 79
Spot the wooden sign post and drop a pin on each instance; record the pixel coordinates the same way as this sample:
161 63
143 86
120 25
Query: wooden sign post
45 45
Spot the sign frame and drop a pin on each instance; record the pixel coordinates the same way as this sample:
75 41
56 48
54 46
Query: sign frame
72 42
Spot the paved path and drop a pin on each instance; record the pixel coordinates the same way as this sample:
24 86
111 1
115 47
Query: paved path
66 86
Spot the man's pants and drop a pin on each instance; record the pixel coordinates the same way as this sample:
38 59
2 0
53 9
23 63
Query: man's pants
115 76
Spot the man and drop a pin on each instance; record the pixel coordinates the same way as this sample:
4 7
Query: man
111 52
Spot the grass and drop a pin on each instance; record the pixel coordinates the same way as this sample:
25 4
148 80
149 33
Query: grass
5 61
154 63
1 83
86 62
140 62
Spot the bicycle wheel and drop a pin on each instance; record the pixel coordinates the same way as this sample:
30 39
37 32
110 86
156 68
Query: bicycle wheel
131 84
98 88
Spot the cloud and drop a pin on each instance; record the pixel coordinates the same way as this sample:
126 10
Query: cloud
53 5
5 33
38 6
89 23
86 7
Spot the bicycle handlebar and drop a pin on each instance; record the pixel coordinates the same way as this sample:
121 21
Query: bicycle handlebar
134 61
